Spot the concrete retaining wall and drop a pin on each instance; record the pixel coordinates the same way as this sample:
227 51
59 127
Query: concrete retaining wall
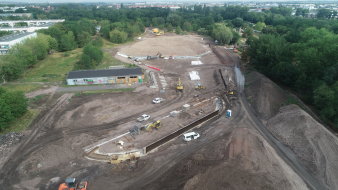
179 132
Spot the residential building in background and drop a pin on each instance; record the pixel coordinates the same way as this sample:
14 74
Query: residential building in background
7 42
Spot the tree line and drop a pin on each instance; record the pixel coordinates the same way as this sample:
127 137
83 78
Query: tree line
12 106
304 59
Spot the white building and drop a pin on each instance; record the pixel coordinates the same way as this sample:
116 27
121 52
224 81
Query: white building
6 42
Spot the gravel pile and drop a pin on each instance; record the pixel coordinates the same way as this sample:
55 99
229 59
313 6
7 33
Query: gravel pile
9 139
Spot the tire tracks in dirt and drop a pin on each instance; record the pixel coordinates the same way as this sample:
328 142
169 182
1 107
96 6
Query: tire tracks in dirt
8 171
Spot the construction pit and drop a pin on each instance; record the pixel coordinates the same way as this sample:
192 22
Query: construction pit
133 141
231 153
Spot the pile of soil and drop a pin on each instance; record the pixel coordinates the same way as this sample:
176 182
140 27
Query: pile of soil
311 142
264 95
243 160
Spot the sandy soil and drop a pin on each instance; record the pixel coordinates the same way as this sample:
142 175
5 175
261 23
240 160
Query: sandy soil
173 45
312 142
264 95
239 160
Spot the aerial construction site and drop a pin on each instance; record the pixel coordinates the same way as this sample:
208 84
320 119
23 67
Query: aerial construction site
200 120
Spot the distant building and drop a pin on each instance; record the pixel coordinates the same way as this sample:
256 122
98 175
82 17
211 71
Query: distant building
27 15
7 42
32 25
107 76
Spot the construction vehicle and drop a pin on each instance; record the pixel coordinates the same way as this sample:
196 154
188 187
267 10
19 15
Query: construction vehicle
119 158
158 32
155 30
151 126
232 92
70 184
199 86
179 86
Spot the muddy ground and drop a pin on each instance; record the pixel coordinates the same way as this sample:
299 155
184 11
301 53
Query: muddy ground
230 154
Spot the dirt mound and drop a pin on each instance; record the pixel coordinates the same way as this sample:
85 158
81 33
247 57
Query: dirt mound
264 95
242 161
311 142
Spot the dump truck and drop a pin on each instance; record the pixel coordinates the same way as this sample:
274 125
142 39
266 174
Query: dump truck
179 86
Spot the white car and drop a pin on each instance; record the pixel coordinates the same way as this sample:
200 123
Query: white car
143 117
157 100
190 136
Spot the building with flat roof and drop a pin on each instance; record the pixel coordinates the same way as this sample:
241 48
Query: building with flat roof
106 76
7 42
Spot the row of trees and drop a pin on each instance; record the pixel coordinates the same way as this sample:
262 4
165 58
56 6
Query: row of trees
12 106
72 34
25 55
306 62
92 55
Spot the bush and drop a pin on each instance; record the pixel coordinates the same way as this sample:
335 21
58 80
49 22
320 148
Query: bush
12 106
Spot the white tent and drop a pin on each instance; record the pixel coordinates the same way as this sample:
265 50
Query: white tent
194 75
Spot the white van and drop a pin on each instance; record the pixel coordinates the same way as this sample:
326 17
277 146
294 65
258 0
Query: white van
190 136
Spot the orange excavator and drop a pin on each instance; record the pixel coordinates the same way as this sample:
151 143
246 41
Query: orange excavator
70 184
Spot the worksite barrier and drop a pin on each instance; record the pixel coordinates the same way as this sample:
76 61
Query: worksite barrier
220 72
154 68
179 132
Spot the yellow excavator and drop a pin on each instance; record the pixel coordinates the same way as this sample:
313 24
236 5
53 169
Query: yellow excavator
151 126
199 86
179 86
158 32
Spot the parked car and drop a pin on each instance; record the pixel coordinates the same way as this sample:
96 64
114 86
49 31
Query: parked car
157 100
143 117
190 136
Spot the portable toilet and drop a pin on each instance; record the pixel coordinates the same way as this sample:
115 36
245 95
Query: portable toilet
228 114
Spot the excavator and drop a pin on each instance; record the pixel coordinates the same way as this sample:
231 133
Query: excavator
158 32
151 126
179 86
199 86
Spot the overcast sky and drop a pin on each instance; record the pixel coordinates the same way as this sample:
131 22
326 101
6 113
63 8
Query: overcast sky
114 1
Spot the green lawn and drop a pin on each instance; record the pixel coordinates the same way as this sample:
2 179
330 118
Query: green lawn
108 56
23 122
24 87
52 69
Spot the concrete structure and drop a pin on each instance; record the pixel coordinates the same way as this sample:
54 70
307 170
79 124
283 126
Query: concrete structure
11 23
28 15
107 76
6 42
27 29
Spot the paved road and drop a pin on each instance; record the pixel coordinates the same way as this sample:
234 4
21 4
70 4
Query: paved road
95 87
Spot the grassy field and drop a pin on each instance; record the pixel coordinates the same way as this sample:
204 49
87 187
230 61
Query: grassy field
52 69
23 122
24 87
108 56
